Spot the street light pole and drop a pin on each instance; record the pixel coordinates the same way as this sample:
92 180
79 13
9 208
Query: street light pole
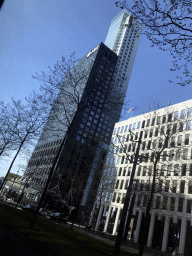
119 237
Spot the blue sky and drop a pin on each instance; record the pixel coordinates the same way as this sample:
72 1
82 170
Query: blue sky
35 34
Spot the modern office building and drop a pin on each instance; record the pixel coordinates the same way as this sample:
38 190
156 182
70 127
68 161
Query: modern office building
171 211
88 127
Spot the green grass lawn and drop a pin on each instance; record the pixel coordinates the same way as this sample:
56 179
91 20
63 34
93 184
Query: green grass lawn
53 238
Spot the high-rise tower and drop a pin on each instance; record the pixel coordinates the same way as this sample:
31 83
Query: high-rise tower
123 39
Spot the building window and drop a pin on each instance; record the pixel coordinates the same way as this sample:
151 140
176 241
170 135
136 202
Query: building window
121 185
187 139
189 206
178 154
156 132
145 201
183 170
118 159
169 170
180 126
179 141
185 153
189 112
158 201
144 170
120 170
134 126
124 171
148 122
160 143
117 184
170 117
138 125
152 156
145 134
172 204
182 186
164 119
158 120
126 128
162 170
126 184
171 154
143 145
176 170
139 200
130 127
190 170
172 142
122 129
174 128
143 124
153 122
176 115
165 199
182 113
180 204
150 170
174 186
149 145
151 133
114 196
118 130
123 198
167 183
190 187
188 126
139 171
164 156
141 185
129 171
154 143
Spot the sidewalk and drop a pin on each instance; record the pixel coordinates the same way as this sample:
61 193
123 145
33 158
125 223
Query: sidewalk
150 251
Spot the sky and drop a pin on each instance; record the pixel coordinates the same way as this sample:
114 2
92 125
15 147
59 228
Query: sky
35 34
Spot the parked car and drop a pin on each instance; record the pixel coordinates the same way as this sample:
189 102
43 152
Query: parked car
43 212
1 198
59 217
28 208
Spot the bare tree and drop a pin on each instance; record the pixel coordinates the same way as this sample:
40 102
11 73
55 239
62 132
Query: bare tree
7 136
167 24
66 94
27 122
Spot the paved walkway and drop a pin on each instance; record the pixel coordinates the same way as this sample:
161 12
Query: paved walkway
108 241
153 252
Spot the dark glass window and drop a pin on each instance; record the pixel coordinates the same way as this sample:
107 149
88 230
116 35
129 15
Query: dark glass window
170 117
172 204
187 139
182 186
164 119
183 169
180 204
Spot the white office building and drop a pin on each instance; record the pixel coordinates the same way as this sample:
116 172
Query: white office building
171 212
